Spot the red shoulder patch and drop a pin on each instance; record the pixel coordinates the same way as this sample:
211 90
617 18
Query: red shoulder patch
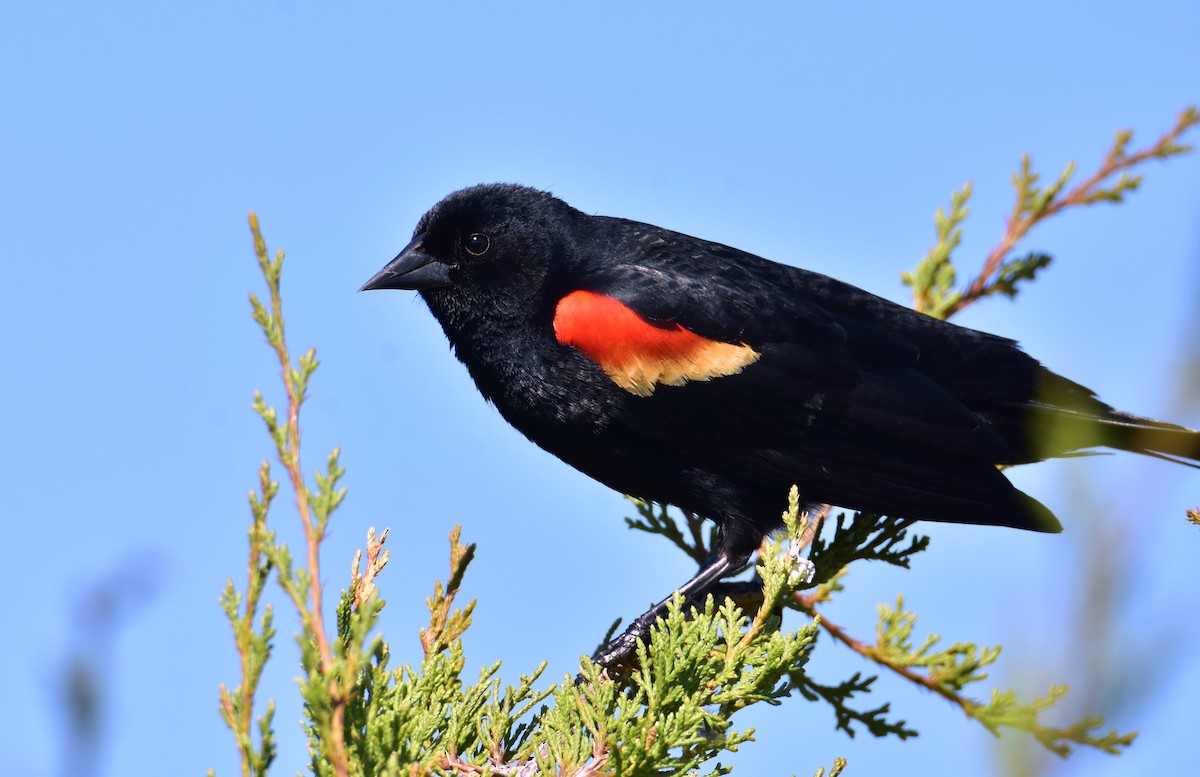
637 354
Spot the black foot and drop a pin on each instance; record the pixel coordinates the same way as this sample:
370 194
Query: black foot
620 654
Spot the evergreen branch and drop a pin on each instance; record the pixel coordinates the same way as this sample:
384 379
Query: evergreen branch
1036 203
671 716
287 436
838 697
314 509
446 626
933 279
363 585
866 537
1003 710
666 712
253 646
807 604
656 519
947 672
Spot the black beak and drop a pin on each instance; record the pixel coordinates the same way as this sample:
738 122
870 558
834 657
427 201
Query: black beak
412 269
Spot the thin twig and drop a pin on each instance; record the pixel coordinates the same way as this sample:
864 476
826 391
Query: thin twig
1021 220
807 604
289 456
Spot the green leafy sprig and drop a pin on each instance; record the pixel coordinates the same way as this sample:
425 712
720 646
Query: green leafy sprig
253 643
933 280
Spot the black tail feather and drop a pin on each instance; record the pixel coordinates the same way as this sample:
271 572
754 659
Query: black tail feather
1069 430
1158 439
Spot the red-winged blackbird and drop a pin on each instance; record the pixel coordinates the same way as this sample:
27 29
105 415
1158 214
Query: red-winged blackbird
694 374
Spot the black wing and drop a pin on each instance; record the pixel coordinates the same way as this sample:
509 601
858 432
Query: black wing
839 402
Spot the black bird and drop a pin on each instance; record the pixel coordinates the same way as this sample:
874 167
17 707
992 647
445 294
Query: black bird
690 373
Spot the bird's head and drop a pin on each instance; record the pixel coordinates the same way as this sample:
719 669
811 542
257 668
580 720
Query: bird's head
486 251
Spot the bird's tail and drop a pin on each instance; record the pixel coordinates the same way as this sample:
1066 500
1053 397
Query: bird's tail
1066 430
1154 438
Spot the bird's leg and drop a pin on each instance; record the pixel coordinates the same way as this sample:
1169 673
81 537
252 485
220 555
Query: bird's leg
619 652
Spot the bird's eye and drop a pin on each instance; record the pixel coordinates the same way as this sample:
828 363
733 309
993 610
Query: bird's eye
477 244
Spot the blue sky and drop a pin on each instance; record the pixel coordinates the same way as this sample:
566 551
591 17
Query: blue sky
136 136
